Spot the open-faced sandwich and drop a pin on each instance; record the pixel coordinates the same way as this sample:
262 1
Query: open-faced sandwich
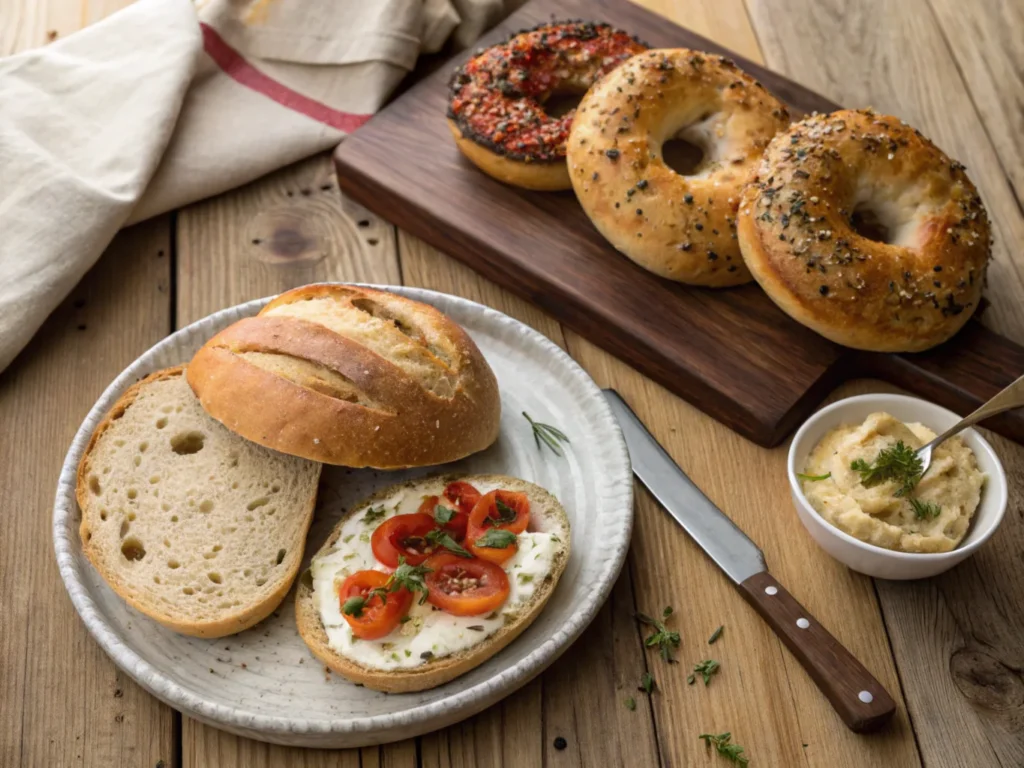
426 580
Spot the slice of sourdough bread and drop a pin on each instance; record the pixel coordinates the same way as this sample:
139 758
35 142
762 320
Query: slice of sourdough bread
191 524
546 515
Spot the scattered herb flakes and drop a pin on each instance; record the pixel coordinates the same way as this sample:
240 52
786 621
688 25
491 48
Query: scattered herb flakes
373 515
646 683
722 744
706 669
899 463
715 635
802 476
348 538
630 704
549 435
925 510
662 638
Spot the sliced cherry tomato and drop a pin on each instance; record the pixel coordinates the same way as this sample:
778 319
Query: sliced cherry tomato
403 536
379 615
465 587
463 495
456 526
486 514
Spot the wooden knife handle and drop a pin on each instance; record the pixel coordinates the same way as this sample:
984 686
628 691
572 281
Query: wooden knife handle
854 693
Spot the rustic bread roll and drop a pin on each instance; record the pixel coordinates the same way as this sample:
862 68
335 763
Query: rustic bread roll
350 376
680 227
908 286
547 516
189 523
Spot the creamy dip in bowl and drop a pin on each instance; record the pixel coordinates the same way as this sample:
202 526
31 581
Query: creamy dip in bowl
870 517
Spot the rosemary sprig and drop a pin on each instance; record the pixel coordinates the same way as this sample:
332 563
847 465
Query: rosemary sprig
721 742
662 638
549 435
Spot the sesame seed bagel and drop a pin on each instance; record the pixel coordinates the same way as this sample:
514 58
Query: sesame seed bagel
351 376
679 227
912 279
496 107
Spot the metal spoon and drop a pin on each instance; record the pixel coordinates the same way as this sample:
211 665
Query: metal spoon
1006 400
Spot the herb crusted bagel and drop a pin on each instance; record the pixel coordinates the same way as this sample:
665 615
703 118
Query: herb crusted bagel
428 647
350 376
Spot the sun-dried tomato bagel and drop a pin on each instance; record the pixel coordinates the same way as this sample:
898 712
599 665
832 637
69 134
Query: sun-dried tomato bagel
863 230
496 107
679 227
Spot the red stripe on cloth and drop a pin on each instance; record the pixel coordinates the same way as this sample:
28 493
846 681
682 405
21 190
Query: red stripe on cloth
240 70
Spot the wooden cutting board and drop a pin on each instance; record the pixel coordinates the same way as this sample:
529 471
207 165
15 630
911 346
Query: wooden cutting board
731 352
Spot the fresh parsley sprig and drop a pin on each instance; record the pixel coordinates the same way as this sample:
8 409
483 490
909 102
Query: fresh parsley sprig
899 463
445 540
721 742
551 436
662 638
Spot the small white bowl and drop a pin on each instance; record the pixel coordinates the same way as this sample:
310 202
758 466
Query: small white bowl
878 561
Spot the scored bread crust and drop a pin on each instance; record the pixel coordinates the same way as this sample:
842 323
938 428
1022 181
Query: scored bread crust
228 624
436 671
311 385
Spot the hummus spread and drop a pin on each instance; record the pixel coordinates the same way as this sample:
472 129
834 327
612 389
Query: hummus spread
933 517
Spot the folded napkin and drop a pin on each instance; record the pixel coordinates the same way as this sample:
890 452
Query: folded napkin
167 102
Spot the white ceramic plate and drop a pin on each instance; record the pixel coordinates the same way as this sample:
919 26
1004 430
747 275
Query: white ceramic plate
263 683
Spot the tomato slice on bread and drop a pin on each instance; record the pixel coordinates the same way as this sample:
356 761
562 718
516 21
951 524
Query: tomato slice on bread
455 521
403 536
465 587
372 616
463 495
506 510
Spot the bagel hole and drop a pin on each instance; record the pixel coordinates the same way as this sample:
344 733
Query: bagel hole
868 223
682 156
561 103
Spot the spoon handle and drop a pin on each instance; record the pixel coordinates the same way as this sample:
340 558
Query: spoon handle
1009 398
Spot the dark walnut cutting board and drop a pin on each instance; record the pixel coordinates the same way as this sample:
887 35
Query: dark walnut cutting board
730 352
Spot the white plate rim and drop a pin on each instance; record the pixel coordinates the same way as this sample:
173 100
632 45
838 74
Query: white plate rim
466 702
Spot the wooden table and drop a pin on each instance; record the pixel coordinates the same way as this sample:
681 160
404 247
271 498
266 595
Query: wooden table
951 649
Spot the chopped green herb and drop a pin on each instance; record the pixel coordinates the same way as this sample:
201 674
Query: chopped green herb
924 510
646 683
406 576
443 515
524 578
505 514
898 463
551 436
408 653
706 669
349 556
691 679
720 741
715 635
354 606
445 540
373 515
496 538
664 639
802 476
631 704
348 538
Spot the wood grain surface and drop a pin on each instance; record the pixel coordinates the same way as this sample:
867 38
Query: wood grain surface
948 649
732 353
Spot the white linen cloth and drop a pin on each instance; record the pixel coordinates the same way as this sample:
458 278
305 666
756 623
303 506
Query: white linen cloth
167 102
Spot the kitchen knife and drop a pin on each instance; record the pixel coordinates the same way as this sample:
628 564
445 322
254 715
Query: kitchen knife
854 693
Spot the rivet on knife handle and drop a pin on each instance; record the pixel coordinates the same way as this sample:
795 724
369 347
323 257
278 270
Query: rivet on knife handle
858 698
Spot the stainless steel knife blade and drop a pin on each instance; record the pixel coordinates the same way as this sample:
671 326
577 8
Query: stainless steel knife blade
716 534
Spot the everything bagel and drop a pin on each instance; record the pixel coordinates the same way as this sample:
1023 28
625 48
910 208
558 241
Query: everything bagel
679 227
496 106
903 290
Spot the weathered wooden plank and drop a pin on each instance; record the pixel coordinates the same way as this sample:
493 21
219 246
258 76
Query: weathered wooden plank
62 701
955 637
287 229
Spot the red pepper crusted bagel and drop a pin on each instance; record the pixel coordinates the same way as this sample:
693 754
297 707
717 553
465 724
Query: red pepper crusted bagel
906 292
496 108
679 227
